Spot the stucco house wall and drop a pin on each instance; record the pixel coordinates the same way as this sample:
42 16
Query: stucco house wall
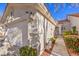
21 24
41 30
63 25
74 22
23 34
50 31
25 26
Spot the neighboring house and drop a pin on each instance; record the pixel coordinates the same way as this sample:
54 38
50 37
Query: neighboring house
28 24
66 25
74 20
63 25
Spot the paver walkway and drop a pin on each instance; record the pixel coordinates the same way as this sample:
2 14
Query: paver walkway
59 48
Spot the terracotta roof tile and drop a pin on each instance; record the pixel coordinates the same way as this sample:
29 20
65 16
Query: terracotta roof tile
76 15
63 21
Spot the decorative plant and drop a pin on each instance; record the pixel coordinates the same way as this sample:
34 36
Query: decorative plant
67 33
55 37
77 49
52 39
74 31
69 41
27 51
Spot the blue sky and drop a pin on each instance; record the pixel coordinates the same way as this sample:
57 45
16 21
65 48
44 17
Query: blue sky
61 11
58 11
2 8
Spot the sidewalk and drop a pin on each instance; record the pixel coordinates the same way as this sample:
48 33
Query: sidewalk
59 48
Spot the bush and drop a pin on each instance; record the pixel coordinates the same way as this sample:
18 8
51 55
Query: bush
67 33
52 39
74 31
69 41
77 49
27 51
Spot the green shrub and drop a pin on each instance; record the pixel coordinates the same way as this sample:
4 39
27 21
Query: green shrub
27 51
77 49
52 39
74 31
69 41
67 33
55 37
72 41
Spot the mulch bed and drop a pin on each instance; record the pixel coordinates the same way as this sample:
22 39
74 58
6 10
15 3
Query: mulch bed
45 53
71 51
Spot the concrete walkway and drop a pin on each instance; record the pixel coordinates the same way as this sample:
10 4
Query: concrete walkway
59 48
